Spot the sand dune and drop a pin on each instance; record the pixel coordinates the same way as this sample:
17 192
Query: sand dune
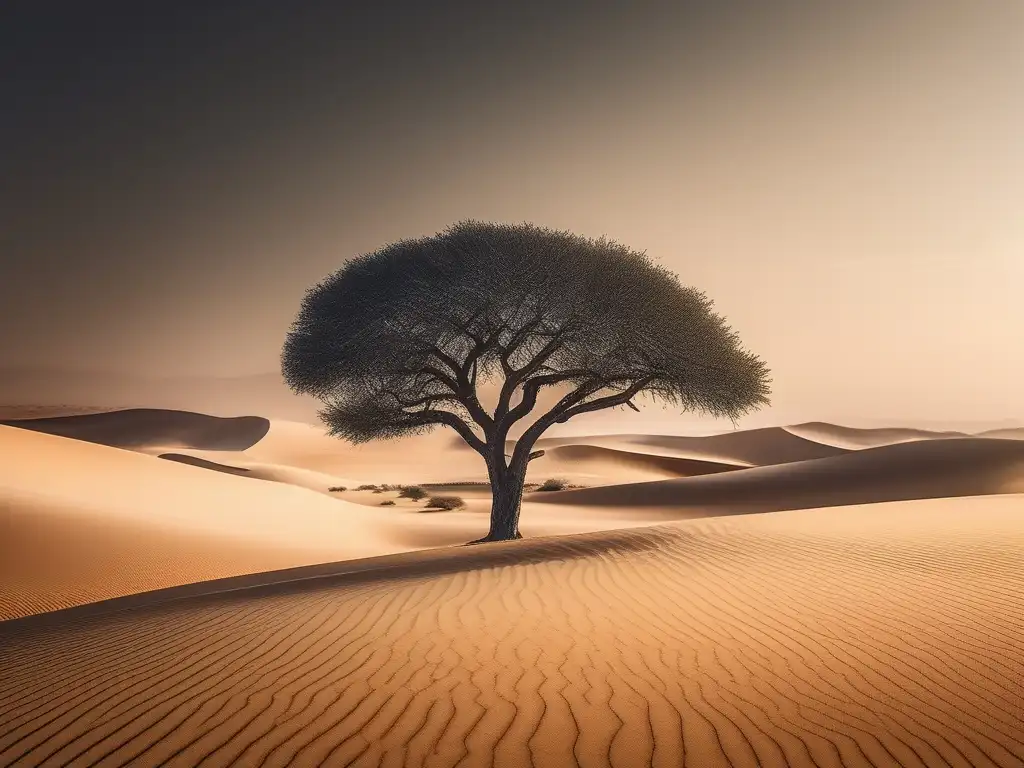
265 393
87 522
19 412
890 635
753 447
613 465
853 438
435 457
140 427
198 461
306 455
277 473
917 470
1016 433
83 522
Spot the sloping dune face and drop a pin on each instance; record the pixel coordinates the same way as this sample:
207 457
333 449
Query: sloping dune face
753 447
1013 433
893 635
917 470
437 456
197 461
142 427
853 438
613 465
83 522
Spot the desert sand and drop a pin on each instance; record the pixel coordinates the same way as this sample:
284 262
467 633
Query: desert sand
181 589
85 522
888 635
199 497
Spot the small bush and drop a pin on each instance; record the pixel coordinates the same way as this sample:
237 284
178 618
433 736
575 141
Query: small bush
366 487
378 490
445 502
337 489
413 492
390 487
553 484
388 503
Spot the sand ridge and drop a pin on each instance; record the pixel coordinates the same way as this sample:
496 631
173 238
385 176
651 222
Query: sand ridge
853 438
87 521
902 471
752 447
606 465
1012 433
890 636
140 427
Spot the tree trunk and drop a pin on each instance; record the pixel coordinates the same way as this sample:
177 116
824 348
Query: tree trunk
506 498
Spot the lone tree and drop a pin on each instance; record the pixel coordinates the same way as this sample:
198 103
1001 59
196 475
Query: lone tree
396 342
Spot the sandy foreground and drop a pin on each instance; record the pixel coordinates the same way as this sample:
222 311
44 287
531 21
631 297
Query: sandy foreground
890 634
222 607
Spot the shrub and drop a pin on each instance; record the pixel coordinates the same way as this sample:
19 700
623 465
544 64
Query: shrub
378 490
390 487
337 489
366 487
553 484
413 492
445 502
388 503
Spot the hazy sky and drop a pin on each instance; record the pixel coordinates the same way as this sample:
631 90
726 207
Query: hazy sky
845 179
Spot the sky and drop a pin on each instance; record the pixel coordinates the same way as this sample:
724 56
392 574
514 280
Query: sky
843 179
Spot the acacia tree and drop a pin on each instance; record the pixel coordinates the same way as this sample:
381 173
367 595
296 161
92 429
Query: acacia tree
397 341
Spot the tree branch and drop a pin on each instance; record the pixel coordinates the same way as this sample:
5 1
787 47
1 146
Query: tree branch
610 401
515 377
441 376
531 390
450 419
570 406
427 400
461 385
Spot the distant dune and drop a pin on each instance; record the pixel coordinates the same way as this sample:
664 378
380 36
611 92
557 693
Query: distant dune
754 447
888 635
265 393
141 427
18 412
1004 434
915 470
853 438
433 457
611 463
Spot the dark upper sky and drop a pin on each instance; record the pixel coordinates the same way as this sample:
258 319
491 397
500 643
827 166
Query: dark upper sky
174 174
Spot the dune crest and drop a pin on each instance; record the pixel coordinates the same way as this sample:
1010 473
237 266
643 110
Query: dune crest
604 465
854 438
1012 433
198 461
913 470
751 447
141 427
